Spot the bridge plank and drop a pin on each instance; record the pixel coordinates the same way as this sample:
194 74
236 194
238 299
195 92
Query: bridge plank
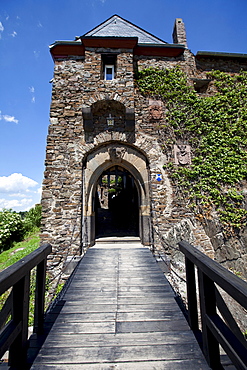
147 365
119 312
120 339
118 353
151 326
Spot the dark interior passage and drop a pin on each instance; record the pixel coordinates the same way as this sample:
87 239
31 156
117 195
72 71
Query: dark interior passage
116 204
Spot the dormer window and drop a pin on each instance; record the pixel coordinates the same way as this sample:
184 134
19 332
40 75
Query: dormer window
109 72
109 65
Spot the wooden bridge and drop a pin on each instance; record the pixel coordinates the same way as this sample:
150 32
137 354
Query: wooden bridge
118 311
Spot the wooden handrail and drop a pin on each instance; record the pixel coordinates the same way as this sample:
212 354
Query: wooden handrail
216 329
14 334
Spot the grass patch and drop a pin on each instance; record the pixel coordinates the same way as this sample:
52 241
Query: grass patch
20 249
14 254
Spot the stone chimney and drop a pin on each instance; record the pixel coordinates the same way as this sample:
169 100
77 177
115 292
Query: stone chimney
179 34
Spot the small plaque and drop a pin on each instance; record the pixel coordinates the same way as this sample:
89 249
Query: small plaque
182 154
155 109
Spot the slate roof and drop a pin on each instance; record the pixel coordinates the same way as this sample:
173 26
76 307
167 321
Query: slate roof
116 26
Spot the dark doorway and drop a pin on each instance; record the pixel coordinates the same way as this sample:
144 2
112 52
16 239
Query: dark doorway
116 204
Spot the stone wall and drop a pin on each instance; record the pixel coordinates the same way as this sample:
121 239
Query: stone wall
226 64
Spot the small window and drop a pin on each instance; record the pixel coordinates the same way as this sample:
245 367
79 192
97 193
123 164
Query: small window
201 85
109 72
108 66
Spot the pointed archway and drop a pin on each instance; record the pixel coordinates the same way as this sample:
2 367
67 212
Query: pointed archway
116 204
131 165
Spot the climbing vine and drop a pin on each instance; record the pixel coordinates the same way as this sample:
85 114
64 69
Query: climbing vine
216 128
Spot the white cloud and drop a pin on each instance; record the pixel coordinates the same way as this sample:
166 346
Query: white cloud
13 34
8 118
1 29
18 192
32 90
39 25
15 203
16 183
19 195
39 190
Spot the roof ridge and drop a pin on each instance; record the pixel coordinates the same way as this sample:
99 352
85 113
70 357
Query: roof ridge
101 24
109 20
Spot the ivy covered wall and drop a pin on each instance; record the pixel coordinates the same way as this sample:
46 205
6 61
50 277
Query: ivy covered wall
215 127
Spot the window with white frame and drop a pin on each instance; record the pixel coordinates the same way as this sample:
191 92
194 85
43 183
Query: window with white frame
109 63
109 72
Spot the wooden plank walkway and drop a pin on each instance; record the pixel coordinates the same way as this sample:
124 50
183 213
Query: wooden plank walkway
119 313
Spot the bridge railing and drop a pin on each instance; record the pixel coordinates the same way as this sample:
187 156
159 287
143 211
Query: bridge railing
217 327
15 312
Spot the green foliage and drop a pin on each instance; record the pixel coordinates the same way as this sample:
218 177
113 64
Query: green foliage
111 190
32 295
59 288
14 251
215 126
15 226
20 250
11 228
33 218
14 254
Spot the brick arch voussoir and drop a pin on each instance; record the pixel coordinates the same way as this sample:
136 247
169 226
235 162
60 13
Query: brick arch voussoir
108 96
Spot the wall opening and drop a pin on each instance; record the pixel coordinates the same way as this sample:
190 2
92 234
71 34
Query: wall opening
116 204
122 172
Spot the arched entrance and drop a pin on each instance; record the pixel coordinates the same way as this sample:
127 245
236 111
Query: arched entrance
104 169
116 204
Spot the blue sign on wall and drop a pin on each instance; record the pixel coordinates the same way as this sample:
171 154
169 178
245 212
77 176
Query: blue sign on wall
158 177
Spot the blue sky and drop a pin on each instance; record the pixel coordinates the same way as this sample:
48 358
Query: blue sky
28 27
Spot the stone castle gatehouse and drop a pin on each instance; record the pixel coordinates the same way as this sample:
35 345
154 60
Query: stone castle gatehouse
104 173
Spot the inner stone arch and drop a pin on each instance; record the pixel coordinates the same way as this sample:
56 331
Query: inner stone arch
116 160
116 204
